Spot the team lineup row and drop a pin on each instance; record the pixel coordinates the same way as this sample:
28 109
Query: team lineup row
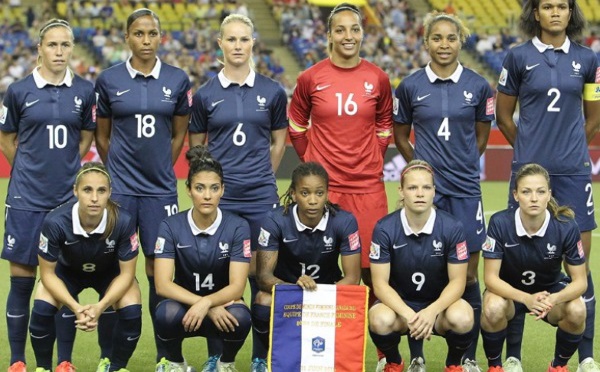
143 105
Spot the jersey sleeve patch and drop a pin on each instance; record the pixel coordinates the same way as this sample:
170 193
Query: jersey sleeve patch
580 249
489 106
159 247
44 243
504 77
461 251
375 251
598 75
263 238
190 96
354 241
3 115
489 244
247 250
133 240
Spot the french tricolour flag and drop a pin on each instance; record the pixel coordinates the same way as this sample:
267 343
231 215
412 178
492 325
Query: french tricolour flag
323 330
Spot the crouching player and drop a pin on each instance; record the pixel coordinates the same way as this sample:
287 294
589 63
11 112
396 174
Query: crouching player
301 243
523 256
90 243
419 262
201 267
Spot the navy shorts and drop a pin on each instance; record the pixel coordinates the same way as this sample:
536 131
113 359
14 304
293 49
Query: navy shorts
22 231
470 212
147 213
572 191
77 282
254 214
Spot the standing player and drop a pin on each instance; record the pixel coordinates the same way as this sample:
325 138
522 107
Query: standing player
552 77
243 114
143 113
302 241
523 256
202 260
50 115
419 261
349 104
451 108
90 243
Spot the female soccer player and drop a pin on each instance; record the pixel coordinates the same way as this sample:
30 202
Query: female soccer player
243 114
552 77
451 108
143 112
348 100
523 256
294 237
50 115
419 266
91 243
202 261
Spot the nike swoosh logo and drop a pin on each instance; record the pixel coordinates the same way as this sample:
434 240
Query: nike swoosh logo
39 337
67 315
510 245
479 231
285 240
182 246
14 316
119 93
590 212
27 104
216 103
422 98
527 67
129 338
399 246
71 243
321 87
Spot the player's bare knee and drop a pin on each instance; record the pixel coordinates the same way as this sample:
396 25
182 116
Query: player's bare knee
263 298
381 319
459 317
575 314
133 296
494 310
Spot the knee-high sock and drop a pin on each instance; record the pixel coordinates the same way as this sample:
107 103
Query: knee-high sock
457 346
388 344
261 316
42 332
566 344
153 300
492 345
106 331
65 333
473 296
169 330
586 347
514 336
233 341
17 315
125 338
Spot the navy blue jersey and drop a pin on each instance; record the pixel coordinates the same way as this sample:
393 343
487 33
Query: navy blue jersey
305 251
64 240
238 121
532 263
444 114
419 263
202 257
48 120
549 86
140 161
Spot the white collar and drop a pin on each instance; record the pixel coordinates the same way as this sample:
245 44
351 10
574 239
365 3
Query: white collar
541 47
454 77
322 225
155 73
211 230
40 82
78 230
521 230
226 82
427 229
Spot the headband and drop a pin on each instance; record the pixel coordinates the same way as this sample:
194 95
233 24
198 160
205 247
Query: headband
59 22
422 166
93 169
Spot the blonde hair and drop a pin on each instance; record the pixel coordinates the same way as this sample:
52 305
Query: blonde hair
53 23
435 17
241 19
413 165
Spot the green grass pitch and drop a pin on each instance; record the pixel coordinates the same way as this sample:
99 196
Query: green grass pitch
538 342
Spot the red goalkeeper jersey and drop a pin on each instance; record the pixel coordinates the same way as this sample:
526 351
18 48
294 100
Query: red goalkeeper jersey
342 119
